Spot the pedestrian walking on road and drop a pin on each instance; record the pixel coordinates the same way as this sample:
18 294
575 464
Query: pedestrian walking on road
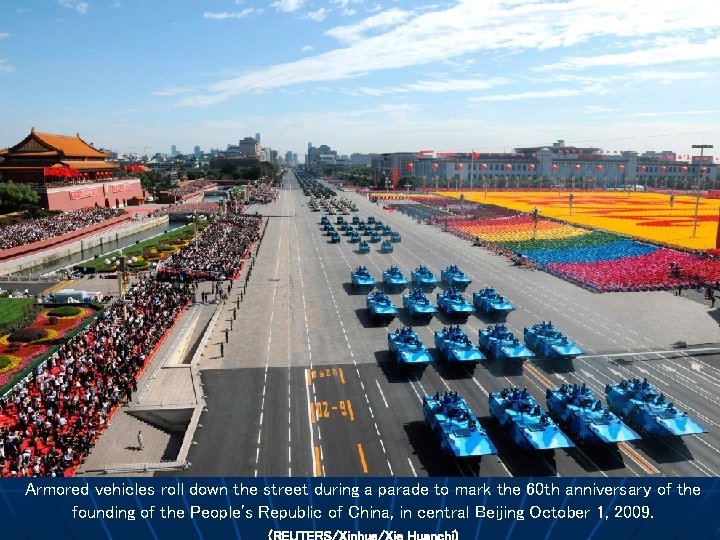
141 444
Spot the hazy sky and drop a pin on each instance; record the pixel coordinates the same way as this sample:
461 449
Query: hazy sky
362 76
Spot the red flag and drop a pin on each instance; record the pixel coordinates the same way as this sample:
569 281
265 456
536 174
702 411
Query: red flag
717 235
476 155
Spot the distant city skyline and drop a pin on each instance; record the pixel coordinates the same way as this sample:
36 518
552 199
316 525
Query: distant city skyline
363 77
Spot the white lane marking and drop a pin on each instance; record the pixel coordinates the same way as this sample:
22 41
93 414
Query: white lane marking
381 393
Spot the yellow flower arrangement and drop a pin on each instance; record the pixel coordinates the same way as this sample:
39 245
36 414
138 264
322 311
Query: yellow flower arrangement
647 216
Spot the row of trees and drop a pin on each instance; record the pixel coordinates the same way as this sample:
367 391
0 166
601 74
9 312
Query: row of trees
17 197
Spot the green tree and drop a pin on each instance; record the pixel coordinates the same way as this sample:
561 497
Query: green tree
14 197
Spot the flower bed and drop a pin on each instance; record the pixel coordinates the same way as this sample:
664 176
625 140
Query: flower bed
21 355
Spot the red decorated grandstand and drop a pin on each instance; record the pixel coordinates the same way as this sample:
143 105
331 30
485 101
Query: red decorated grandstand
67 172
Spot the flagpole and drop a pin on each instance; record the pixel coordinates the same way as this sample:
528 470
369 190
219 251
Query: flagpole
472 156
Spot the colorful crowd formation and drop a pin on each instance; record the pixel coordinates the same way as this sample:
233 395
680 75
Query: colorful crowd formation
595 259
662 218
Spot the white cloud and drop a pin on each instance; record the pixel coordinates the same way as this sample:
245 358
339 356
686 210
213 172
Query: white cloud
354 32
682 51
4 35
80 7
395 39
307 48
437 86
5 66
539 94
173 91
219 16
318 15
287 6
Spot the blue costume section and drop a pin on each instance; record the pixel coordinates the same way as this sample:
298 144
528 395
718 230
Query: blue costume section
648 411
600 252
455 426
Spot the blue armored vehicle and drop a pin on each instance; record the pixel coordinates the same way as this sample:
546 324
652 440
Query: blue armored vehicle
423 277
490 302
454 277
576 409
363 247
648 411
524 420
455 426
418 305
334 237
354 238
456 348
395 236
329 228
499 343
371 220
394 279
348 229
386 231
380 306
361 277
407 349
547 341
340 220
386 247
452 303
379 225
355 220
374 237
324 220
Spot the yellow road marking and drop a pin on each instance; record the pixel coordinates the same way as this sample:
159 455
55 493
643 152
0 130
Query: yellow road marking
313 419
318 462
539 376
634 455
362 458
342 376
307 376
350 411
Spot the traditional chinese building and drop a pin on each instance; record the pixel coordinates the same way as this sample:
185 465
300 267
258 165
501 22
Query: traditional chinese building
67 172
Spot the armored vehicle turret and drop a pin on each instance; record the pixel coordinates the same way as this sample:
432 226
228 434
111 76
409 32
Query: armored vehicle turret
418 305
423 277
361 277
380 306
407 348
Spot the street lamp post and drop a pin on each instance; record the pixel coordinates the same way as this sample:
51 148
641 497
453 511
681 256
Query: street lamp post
702 148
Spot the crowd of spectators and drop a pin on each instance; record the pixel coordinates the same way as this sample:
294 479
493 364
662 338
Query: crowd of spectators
201 208
218 253
263 195
49 422
33 230
188 187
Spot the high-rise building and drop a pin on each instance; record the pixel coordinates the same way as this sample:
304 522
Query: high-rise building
288 157
173 150
257 137
249 147
197 152
295 158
